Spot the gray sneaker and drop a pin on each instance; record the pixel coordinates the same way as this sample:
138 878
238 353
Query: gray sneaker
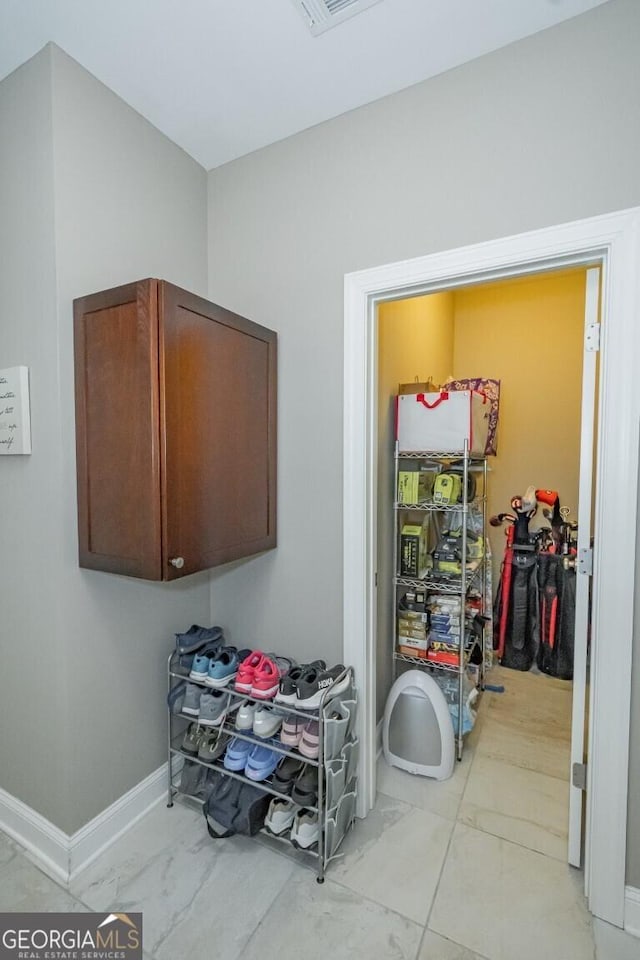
213 745
192 738
191 702
305 831
214 707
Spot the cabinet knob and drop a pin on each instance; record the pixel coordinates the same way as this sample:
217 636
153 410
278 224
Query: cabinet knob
177 562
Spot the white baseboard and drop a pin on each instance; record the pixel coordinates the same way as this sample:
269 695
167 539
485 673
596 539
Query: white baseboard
62 856
92 839
44 844
632 911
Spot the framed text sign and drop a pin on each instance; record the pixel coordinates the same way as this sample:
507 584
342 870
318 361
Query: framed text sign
15 423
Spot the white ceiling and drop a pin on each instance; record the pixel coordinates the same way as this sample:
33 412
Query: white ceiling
224 77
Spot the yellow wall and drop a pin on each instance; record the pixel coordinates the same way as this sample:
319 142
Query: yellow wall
527 333
415 340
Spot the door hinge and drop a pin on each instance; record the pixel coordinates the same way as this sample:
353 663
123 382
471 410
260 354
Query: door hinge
579 776
592 338
585 561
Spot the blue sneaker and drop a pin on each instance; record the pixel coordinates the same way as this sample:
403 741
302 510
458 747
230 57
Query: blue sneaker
261 763
201 663
237 754
222 667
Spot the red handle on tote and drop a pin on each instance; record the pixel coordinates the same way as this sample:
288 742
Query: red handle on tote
420 399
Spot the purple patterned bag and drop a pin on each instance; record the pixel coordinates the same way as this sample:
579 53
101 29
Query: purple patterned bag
491 390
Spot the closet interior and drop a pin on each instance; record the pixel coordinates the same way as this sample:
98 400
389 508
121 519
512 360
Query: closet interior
477 553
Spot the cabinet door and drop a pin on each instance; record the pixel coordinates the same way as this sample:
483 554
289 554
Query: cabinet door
218 439
117 430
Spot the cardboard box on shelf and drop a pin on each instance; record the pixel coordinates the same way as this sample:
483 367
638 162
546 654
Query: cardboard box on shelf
406 630
443 656
424 386
415 484
439 645
415 616
412 648
414 550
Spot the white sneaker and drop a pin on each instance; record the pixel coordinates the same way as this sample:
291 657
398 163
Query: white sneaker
245 715
266 722
280 816
305 831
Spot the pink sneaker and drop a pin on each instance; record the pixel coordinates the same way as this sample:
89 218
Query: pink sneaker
267 676
247 670
292 729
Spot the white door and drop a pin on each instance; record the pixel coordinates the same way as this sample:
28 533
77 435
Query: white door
583 567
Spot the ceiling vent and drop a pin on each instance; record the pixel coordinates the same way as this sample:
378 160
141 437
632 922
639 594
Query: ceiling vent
321 15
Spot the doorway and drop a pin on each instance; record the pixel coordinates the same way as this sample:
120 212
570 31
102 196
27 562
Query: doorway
522 341
610 242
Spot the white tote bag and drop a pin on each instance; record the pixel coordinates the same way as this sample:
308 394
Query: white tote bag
441 422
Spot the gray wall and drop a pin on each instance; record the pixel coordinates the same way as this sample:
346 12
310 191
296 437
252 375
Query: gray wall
541 132
129 204
32 691
83 681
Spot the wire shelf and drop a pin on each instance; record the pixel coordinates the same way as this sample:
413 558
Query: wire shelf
474 459
265 785
273 841
450 585
431 507
228 727
429 664
179 673
471 579
422 662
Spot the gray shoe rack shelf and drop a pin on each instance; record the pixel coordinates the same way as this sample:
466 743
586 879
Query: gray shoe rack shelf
337 761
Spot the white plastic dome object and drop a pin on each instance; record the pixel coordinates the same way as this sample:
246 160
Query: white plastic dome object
417 732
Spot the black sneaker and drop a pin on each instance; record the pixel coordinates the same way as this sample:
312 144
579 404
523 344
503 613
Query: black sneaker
305 789
287 773
288 691
316 682
195 638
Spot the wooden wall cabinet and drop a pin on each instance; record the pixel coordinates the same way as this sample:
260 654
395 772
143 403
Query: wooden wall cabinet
175 432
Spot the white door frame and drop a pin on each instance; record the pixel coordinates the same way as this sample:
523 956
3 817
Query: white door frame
612 241
588 420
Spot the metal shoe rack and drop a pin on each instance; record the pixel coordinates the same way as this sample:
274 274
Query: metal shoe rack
472 580
337 762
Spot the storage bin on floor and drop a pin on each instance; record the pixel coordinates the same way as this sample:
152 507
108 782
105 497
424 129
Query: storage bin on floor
417 733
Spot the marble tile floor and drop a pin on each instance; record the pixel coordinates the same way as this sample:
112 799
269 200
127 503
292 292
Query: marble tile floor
469 869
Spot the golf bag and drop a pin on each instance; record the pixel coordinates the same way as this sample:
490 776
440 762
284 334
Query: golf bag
534 612
516 629
557 616
520 610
